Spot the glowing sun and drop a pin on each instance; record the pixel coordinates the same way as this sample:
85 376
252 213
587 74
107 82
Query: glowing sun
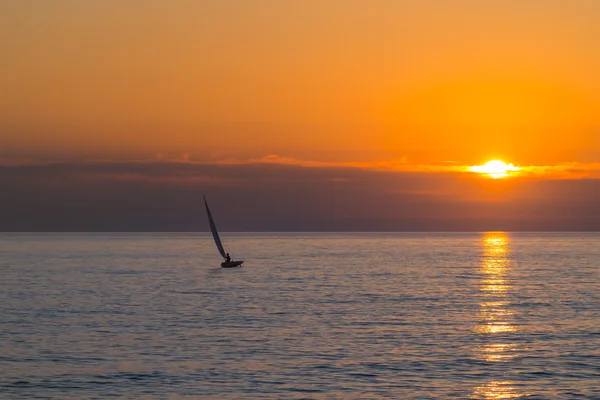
495 169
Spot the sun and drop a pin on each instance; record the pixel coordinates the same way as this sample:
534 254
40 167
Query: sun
495 169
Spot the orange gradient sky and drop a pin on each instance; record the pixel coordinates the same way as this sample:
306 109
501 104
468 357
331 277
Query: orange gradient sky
428 80
189 91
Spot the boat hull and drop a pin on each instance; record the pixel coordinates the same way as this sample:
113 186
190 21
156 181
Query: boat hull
231 264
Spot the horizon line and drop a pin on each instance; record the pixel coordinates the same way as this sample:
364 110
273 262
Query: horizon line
331 232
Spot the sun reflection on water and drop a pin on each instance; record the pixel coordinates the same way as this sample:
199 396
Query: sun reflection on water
497 390
497 352
496 319
494 314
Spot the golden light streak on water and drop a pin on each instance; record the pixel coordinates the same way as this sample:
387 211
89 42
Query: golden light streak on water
497 352
497 390
495 315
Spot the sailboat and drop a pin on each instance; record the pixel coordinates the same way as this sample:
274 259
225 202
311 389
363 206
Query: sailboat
213 228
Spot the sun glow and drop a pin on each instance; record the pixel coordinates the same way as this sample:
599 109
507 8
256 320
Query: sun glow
495 169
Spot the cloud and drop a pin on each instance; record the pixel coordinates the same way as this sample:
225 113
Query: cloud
573 170
400 164
275 194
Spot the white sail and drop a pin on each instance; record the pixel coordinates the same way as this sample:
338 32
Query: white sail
213 229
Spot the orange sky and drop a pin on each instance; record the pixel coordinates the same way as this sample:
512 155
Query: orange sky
333 81
299 115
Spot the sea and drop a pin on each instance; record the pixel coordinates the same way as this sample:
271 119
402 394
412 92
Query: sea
484 315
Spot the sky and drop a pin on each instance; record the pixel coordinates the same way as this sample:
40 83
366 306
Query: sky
299 115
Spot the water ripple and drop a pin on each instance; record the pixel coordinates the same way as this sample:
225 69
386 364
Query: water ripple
485 316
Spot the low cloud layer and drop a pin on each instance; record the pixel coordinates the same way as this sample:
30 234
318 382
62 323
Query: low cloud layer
279 194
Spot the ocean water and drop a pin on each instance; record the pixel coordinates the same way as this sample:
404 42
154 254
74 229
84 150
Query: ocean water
309 316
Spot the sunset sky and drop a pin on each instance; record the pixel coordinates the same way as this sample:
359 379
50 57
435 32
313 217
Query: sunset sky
299 115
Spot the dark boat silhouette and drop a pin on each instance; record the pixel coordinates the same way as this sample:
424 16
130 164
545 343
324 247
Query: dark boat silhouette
228 263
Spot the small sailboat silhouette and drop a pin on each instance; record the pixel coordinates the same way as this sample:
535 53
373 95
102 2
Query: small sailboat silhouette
228 263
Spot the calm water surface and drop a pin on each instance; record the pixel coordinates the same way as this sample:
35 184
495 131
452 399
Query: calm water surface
315 316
